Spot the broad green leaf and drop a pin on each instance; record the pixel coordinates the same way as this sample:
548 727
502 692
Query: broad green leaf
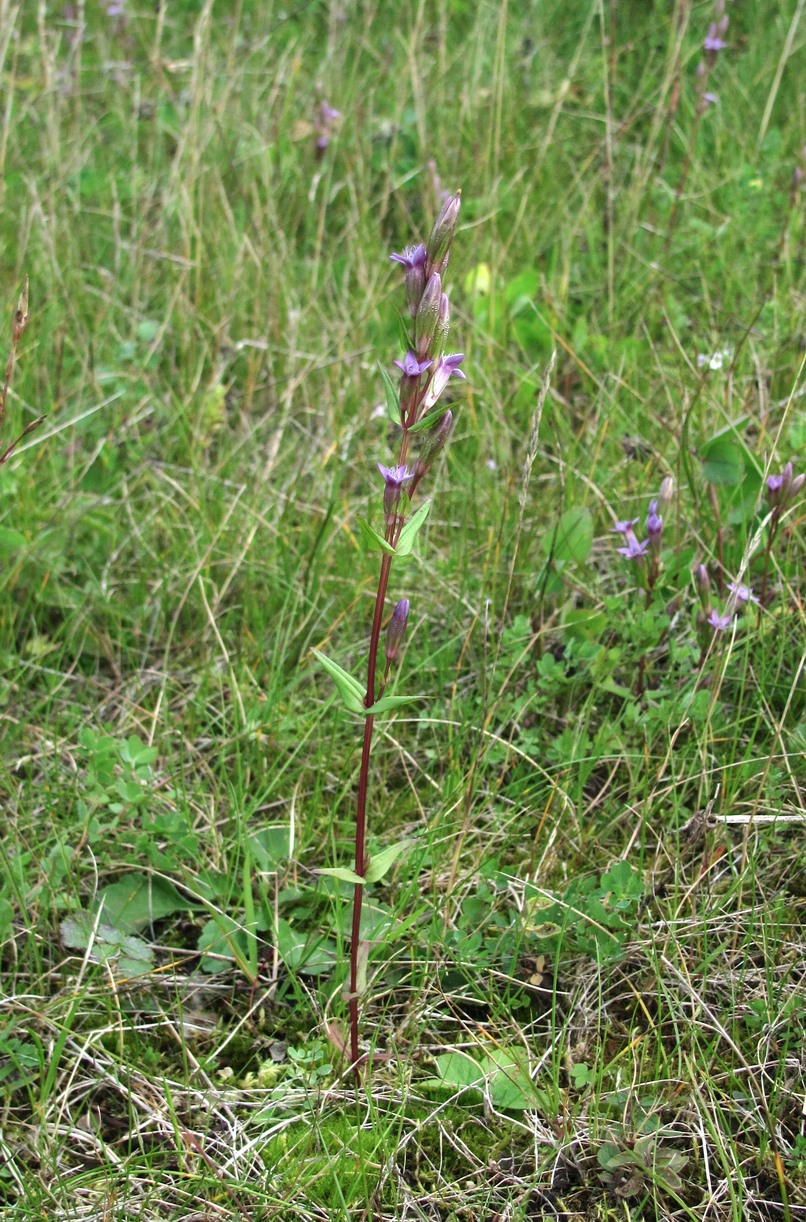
381 863
221 943
392 396
459 1071
412 528
10 541
388 702
129 955
373 540
723 462
138 900
343 875
300 953
271 845
350 690
510 1085
573 537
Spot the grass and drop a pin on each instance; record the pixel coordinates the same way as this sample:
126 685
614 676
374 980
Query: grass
586 981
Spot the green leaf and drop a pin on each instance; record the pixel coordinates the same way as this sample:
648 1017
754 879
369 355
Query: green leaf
130 956
389 702
459 1071
723 462
381 863
221 942
412 528
271 845
343 875
427 421
392 397
350 690
573 537
10 541
148 330
374 541
138 900
300 953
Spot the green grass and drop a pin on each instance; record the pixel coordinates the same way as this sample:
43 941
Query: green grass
586 981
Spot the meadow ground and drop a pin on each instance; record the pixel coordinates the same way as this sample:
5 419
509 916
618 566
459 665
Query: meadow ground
586 974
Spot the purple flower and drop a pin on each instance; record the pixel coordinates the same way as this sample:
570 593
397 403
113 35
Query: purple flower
654 524
710 99
623 528
714 40
718 622
634 549
782 489
741 593
116 9
327 113
394 479
445 368
411 367
412 257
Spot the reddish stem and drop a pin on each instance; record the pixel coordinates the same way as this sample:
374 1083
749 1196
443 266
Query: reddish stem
392 535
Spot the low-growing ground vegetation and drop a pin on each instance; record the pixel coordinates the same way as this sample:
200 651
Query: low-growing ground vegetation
585 986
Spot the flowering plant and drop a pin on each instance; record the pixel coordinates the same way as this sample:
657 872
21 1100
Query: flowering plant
413 407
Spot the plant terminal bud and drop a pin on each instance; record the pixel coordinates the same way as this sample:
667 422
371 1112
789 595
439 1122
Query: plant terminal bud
396 630
20 321
703 584
439 243
666 493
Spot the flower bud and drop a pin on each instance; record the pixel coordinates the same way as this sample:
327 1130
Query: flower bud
703 583
439 243
426 320
666 494
20 320
415 280
414 260
433 444
654 527
396 630
779 487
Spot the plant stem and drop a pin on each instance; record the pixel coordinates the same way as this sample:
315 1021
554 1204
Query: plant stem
392 534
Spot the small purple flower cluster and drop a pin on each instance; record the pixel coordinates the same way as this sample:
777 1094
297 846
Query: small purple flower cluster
710 621
327 119
782 489
646 552
713 43
426 368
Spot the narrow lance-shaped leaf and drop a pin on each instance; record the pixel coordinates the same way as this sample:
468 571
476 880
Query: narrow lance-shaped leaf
428 420
373 540
392 399
381 863
412 528
350 690
343 875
